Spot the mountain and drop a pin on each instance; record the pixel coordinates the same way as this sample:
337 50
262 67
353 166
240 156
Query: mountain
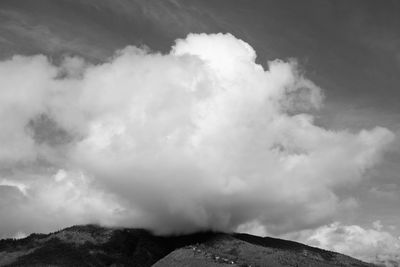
92 245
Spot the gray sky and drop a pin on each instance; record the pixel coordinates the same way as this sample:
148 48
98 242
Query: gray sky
350 49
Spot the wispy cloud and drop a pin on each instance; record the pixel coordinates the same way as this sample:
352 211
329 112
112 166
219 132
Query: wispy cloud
373 244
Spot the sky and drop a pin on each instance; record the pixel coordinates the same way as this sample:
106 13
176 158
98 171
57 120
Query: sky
271 117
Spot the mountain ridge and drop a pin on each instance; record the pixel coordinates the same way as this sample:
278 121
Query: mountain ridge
93 245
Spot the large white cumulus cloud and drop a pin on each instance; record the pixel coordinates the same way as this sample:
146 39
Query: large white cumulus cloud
202 137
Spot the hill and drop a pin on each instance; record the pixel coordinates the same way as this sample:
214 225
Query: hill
92 245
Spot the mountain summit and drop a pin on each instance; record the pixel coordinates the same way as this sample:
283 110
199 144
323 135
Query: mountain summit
92 245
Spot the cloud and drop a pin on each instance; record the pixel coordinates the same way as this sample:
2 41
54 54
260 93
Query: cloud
199 138
45 203
369 244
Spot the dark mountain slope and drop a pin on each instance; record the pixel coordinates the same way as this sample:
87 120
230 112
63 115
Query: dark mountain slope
92 245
